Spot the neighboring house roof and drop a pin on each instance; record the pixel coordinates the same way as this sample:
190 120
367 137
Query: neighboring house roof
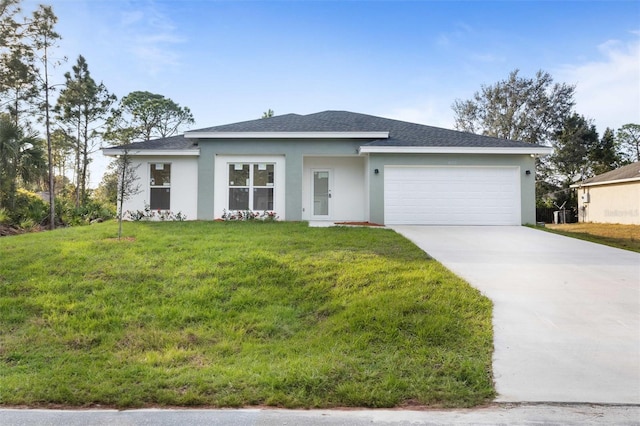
628 173
396 133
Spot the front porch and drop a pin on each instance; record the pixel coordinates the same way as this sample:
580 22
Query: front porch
334 189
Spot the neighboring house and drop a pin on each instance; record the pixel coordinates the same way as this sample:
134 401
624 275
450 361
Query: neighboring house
339 166
612 197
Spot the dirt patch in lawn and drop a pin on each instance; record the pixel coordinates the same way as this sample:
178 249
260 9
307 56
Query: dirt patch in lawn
609 230
626 237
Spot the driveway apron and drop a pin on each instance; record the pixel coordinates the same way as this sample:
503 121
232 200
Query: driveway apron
566 313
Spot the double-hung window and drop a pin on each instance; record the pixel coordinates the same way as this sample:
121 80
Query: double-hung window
251 186
160 186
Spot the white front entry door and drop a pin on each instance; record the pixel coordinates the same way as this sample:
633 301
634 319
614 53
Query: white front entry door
321 183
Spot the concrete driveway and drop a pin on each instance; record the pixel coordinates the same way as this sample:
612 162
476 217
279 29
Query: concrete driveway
566 312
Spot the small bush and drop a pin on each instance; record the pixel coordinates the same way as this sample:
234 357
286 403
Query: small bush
4 217
154 215
92 210
244 215
28 207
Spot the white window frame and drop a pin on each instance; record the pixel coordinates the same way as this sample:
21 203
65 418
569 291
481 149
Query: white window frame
251 187
165 185
221 181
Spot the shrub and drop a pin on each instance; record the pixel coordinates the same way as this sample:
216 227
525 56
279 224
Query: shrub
153 215
28 206
4 217
244 215
92 210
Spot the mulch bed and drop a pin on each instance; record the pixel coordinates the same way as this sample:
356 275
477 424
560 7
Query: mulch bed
358 224
7 230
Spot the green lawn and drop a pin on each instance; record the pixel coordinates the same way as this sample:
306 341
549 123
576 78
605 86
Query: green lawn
236 314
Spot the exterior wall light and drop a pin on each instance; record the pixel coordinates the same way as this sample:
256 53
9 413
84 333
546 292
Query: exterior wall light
528 172
376 171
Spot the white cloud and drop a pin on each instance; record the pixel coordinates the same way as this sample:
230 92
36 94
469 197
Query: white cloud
433 112
608 89
151 36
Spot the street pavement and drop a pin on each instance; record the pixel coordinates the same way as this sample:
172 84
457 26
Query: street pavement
503 414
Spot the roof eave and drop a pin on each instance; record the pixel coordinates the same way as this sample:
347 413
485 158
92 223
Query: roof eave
113 152
536 151
605 182
286 135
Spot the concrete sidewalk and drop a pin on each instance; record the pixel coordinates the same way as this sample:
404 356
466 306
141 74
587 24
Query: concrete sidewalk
496 415
566 312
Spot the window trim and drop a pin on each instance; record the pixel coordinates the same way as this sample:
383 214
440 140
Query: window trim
251 186
163 186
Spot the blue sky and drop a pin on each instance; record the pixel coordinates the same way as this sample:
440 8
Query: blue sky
232 60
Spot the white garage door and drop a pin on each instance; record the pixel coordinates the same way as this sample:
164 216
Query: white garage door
452 195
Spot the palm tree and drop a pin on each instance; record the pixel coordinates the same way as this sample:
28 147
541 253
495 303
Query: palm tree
22 160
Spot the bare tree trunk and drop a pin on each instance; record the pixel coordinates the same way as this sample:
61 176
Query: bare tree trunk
85 162
52 180
78 170
121 194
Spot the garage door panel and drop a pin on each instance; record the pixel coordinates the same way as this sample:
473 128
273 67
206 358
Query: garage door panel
452 195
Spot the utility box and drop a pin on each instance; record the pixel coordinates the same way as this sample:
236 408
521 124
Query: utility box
585 197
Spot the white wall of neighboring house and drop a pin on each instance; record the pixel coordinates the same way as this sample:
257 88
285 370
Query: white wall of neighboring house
184 185
614 203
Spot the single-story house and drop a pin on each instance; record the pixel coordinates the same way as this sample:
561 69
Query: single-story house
338 166
612 197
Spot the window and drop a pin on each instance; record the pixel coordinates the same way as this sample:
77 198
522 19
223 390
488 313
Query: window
251 186
160 185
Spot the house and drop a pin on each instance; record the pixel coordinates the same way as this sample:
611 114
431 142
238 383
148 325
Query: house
612 197
338 166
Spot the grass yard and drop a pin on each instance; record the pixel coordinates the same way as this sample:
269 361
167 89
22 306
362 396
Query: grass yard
236 314
626 237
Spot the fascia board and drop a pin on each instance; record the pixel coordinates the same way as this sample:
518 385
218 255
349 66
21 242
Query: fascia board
606 182
453 150
112 152
286 135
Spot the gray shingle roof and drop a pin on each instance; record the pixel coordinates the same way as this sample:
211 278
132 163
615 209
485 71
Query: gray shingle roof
282 123
630 171
401 133
172 142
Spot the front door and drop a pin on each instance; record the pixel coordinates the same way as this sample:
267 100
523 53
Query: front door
321 193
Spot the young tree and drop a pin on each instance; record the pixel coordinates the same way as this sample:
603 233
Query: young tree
143 116
84 105
44 38
127 184
518 108
628 138
268 114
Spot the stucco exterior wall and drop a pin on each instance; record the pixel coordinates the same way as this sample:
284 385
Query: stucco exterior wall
292 150
348 192
614 203
184 184
524 162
